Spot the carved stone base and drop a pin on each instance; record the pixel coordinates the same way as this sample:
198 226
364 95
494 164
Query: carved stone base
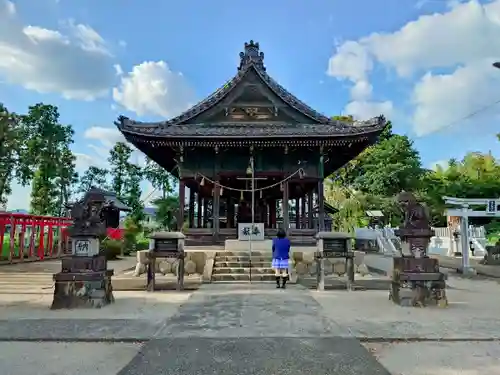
82 290
418 282
419 294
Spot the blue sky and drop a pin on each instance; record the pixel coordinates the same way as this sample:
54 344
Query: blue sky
423 64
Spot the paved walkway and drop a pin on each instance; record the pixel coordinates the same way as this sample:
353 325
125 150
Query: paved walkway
253 329
384 263
36 277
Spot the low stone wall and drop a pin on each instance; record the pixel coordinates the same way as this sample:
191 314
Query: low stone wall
194 265
304 265
200 263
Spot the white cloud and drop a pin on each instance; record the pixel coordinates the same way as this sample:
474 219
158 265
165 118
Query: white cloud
74 61
442 100
151 88
463 40
365 109
104 139
361 90
10 7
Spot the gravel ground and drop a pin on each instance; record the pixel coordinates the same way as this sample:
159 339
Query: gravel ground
439 358
19 358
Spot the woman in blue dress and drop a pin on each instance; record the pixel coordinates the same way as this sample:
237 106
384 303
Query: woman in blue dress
281 257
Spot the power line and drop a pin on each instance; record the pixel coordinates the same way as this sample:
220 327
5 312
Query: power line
472 114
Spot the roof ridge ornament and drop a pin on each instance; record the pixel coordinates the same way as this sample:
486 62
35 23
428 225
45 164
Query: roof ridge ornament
252 56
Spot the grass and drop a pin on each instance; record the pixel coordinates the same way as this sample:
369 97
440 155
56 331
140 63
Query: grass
6 246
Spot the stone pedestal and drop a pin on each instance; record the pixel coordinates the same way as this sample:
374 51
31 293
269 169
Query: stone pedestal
331 246
165 245
416 278
84 280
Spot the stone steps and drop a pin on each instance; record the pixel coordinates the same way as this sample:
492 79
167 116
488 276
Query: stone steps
247 259
239 277
240 266
243 270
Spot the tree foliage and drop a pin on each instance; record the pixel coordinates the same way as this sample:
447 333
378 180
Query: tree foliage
52 164
119 161
93 176
159 178
166 211
126 179
10 137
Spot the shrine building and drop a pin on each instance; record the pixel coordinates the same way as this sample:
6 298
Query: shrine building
251 129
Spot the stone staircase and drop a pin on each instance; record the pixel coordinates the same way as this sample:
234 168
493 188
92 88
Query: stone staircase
231 266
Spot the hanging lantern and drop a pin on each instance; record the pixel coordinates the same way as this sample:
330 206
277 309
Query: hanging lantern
281 187
261 194
202 183
242 196
221 190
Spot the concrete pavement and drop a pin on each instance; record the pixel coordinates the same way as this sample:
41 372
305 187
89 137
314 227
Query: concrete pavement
229 329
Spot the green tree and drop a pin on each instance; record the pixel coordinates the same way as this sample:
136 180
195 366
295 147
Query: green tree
159 178
119 161
93 176
47 141
166 213
389 167
133 192
10 138
350 205
66 179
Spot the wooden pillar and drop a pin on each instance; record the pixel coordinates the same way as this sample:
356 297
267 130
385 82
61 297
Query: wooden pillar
182 201
303 212
297 213
205 211
310 209
321 206
321 193
191 208
272 213
215 212
230 212
285 207
199 204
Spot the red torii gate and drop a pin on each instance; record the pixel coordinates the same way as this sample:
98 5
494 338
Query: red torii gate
42 242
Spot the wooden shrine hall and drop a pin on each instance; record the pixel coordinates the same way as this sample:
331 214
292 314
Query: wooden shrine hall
251 130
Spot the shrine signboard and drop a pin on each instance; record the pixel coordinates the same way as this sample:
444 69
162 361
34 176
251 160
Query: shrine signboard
247 231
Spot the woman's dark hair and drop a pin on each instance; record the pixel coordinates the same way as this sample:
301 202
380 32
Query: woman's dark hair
281 233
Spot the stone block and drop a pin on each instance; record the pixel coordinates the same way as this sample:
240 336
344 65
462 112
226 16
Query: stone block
165 267
328 267
308 257
140 269
190 267
362 269
339 267
297 256
359 257
142 256
199 258
301 268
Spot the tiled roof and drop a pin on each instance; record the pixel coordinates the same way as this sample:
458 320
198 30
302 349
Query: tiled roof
256 130
251 58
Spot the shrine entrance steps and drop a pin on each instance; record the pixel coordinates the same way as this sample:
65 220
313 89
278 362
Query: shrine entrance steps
240 266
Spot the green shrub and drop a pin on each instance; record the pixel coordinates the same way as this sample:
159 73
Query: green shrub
111 249
142 244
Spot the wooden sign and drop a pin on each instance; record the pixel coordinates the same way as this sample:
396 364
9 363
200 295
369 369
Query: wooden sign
166 248
335 248
170 244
